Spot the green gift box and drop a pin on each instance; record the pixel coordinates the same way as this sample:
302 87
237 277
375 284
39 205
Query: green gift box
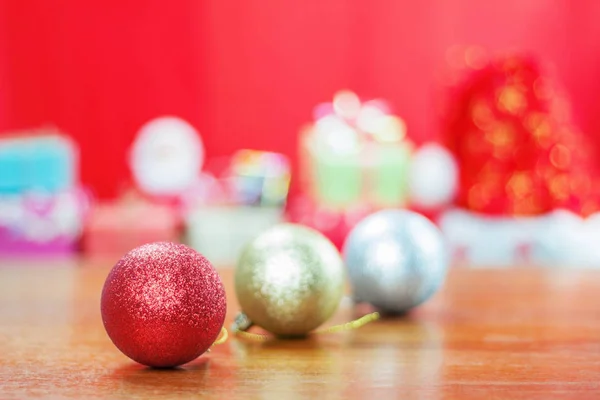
346 163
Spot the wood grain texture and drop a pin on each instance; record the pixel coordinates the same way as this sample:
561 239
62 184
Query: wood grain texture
512 334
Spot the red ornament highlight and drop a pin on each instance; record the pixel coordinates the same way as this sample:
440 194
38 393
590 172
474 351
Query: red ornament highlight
163 304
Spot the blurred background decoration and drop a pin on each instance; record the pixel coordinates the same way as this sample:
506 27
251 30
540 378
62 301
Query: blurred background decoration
192 121
166 156
42 206
230 207
354 153
523 167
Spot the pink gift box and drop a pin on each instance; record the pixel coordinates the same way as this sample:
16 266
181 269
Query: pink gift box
42 223
115 228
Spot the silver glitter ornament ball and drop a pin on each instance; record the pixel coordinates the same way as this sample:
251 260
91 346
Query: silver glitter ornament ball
396 260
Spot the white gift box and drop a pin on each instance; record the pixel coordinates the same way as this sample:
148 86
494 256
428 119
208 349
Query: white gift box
556 239
221 232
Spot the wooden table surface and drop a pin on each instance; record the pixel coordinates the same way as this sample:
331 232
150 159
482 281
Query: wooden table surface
506 334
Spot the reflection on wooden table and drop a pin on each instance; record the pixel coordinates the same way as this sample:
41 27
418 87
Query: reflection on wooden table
519 333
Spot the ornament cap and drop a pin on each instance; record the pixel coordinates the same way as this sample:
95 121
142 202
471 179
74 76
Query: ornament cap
241 323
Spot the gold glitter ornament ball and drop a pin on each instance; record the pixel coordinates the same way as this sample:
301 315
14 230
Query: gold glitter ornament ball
289 280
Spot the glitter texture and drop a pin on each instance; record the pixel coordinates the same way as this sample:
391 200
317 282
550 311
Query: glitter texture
163 304
396 260
289 280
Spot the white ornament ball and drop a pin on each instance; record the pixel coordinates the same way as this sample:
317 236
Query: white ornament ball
433 176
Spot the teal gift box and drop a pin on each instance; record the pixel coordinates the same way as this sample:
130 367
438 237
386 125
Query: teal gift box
42 161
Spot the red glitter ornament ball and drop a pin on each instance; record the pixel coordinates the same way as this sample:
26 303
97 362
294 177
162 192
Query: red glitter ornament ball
163 304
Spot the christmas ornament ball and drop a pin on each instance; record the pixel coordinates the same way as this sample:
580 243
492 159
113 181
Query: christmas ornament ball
163 304
289 280
433 176
396 260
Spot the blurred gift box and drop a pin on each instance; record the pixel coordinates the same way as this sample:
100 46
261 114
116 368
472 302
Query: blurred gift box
556 239
42 208
221 232
41 222
37 160
259 178
355 154
235 199
113 229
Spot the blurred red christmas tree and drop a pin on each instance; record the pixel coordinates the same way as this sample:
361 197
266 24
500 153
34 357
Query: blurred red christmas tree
518 151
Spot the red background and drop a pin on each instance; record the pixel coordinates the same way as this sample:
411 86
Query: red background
247 73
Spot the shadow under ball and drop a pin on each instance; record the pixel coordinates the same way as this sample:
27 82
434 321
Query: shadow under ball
289 280
396 260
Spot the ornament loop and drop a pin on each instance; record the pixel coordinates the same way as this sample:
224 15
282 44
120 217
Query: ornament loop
222 338
257 337
348 326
